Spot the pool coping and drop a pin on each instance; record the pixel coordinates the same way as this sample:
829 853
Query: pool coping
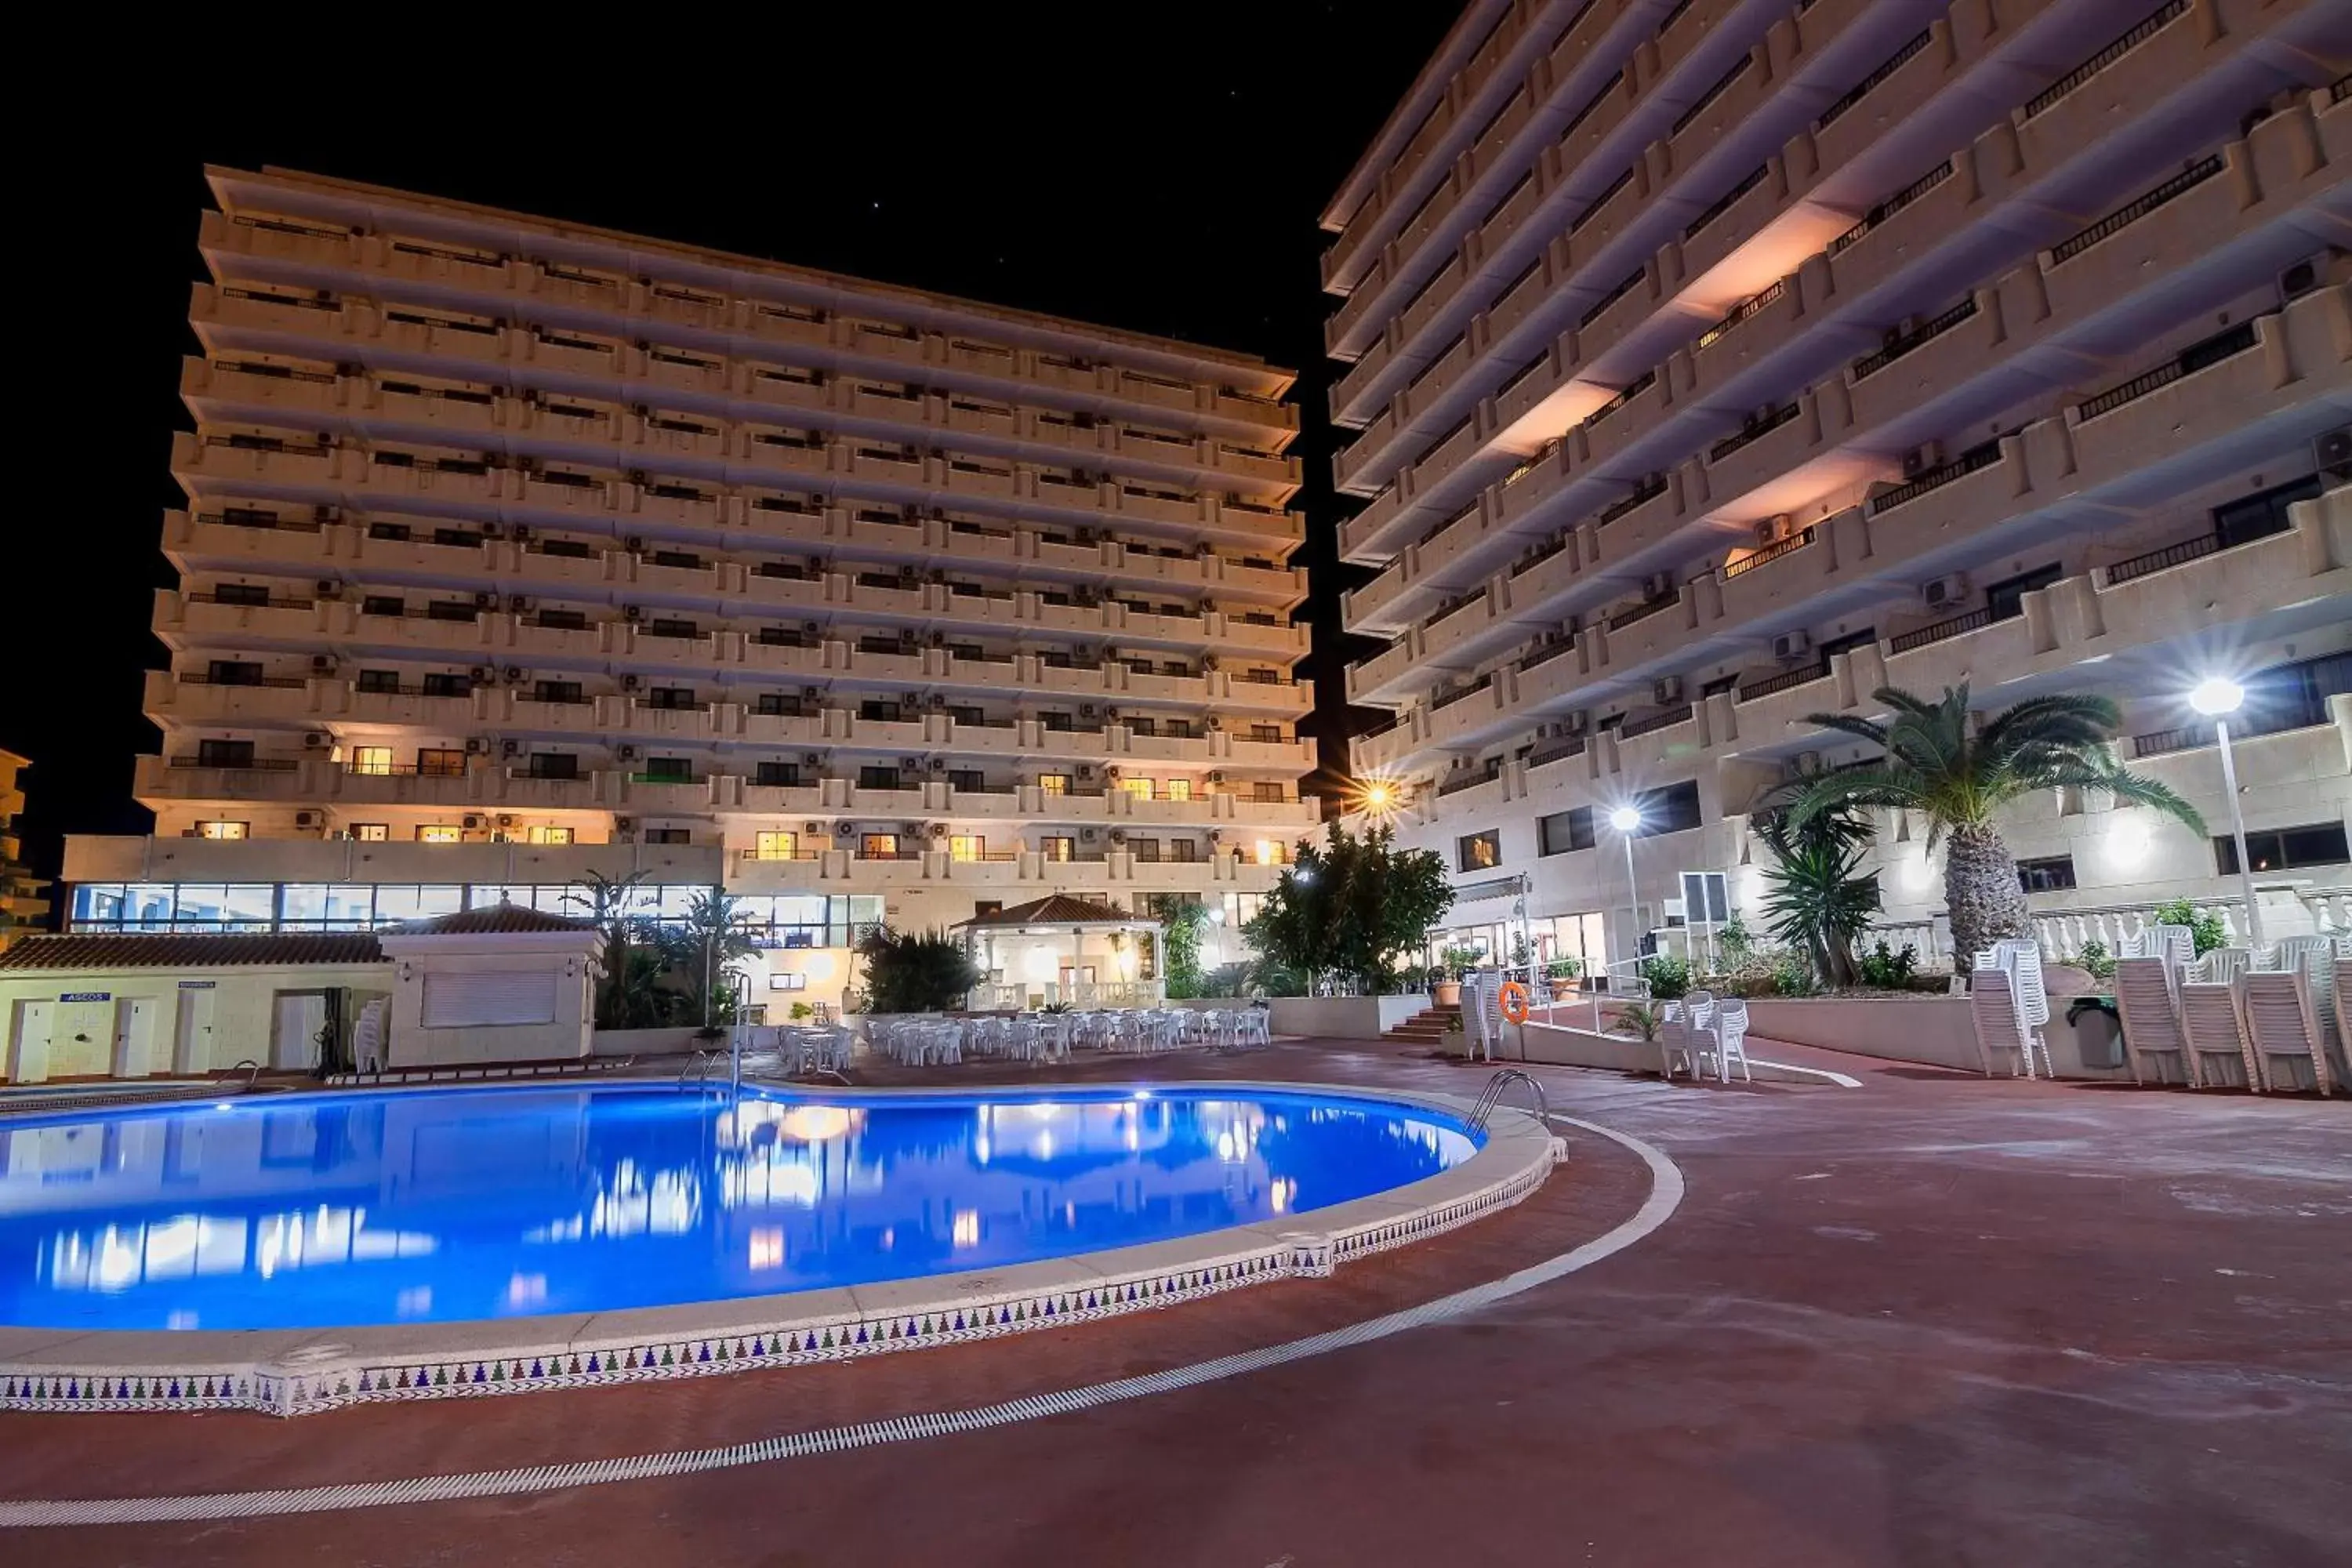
297 1372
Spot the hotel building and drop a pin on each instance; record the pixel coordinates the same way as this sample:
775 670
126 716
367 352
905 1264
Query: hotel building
24 906
516 550
1713 363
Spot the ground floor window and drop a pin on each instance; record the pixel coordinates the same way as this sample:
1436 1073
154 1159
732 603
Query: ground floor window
2286 849
2049 874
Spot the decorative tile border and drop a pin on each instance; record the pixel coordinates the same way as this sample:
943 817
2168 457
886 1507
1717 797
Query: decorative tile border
1518 1156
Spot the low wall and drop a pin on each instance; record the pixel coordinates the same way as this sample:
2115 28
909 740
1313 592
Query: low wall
1560 1045
643 1042
1344 1017
1937 1031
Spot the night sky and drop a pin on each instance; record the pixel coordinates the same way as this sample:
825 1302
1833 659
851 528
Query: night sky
1158 168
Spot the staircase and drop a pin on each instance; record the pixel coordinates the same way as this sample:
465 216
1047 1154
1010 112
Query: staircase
1427 1027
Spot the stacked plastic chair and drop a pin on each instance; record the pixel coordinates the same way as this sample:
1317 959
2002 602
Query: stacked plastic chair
2216 1030
1730 1030
2152 1035
2282 1030
2018 964
1992 1000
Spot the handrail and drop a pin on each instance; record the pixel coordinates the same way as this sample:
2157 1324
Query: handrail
251 1077
1492 1095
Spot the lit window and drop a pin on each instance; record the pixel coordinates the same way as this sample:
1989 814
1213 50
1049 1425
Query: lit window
777 846
967 846
371 759
371 832
222 829
1054 783
1269 852
1058 849
551 835
1139 788
440 833
1180 789
878 846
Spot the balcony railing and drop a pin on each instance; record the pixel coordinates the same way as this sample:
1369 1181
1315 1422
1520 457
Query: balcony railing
1891 206
1469 778
1476 687
1918 337
2159 560
1665 718
1643 611
2197 357
1723 202
1640 385
1630 282
2124 216
1756 429
1868 84
241 765
1546 653
1956 625
1936 479
1555 751
1648 491
1787 680
2049 96
1768 554
1740 313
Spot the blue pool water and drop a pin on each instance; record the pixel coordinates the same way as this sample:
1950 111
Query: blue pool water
318 1211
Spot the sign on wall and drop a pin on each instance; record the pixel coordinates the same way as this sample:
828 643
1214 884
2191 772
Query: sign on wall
87 997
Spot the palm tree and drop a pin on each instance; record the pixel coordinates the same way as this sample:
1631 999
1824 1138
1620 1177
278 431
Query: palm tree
712 938
1820 900
1960 775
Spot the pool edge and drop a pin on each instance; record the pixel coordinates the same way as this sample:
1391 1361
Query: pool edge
302 1371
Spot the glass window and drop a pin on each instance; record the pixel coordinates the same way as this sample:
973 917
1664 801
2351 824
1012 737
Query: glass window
251 906
1565 830
777 775
1269 851
2050 874
218 829
967 846
777 846
669 770
440 833
2286 849
543 834
1478 851
380 681
1054 783
554 765
150 904
1266 791
371 759
1139 788
872 776
1058 849
878 846
1179 789
371 832
1674 809
441 763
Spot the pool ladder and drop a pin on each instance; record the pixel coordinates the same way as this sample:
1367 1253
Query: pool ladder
1492 1095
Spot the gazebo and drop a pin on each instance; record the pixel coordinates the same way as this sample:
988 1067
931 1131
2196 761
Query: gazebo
1044 943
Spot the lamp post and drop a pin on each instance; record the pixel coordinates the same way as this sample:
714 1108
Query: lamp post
2217 699
1627 821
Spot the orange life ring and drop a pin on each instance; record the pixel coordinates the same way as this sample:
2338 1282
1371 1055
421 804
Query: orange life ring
1514 1002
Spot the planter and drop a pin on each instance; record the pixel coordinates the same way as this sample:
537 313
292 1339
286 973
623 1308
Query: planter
1447 993
1561 990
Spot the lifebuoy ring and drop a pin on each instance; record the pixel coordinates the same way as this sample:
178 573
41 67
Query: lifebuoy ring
1514 1002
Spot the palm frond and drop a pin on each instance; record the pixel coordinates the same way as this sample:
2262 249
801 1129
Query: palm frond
1850 724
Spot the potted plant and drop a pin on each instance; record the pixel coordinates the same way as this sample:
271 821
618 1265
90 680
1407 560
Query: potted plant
1452 963
1561 972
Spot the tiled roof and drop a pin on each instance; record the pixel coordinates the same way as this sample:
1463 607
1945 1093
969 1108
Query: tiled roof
498 918
1057 909
139 950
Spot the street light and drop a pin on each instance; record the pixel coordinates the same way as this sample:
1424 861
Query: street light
1627 821
2217 698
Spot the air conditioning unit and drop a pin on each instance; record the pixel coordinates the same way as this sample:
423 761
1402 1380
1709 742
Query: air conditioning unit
481 675
1085 709
514 674
1118 836
485 601
811 829
477 745
1086 769
936 703
1216 778
1088 834
505 821
626 753
321 663
522 530
1666 690
2298 280
309 818
1657 585
808 694
510 748
939 764
1945 591
1578 723
633 545
329 588
908 765
1216 836
470 822
1088 536
1771 531
810 758
1793 645
517 603
631 682
811 629
2333 452
938 830
816 563
1808 764
1920 458
632 613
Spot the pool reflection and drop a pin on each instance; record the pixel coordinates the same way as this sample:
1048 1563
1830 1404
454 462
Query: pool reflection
452 1206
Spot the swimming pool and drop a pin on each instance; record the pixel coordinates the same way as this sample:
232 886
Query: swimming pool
424 1206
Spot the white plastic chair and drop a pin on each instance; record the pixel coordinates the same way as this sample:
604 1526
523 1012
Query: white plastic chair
1676 1044
2151 1021
2283 1031
1728 1030
2210 1022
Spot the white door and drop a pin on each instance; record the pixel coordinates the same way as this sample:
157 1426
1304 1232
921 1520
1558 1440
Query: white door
29 1059
192 1033
134 1032
294 1041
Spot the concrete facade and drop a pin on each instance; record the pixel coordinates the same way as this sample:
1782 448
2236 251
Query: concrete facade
1712 365
516 550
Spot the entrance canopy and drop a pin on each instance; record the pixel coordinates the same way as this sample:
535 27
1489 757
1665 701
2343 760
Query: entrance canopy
1060 912
1022 965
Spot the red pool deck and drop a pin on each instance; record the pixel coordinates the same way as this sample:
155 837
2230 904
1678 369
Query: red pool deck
1930 1320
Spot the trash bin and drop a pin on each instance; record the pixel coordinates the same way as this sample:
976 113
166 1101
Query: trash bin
2098 1031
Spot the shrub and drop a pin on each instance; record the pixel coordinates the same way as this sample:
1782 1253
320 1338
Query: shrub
1564 969
1457 961
1669 977
2095 960
1638 1018
915 972
2205 930
1791 977
1886 970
